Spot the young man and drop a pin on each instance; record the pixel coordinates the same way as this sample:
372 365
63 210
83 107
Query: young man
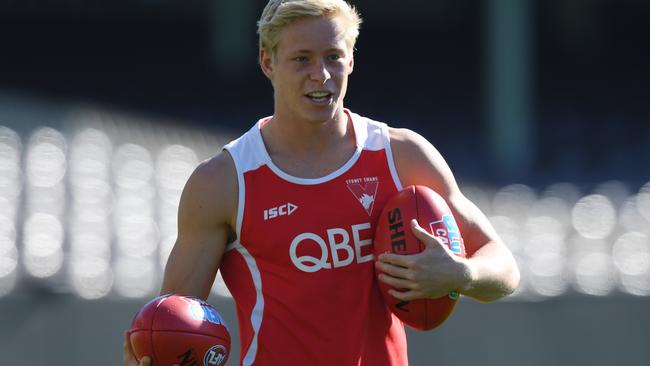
287 211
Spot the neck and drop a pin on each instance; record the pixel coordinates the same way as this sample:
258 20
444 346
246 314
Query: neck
286 134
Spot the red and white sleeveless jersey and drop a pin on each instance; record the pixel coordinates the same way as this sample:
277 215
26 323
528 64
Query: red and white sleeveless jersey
302 270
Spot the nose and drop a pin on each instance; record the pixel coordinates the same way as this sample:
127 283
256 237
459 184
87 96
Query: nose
320 73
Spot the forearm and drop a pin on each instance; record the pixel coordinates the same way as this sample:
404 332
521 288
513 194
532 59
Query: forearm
192 266
492 273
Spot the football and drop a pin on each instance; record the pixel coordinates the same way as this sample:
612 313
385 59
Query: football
394 235
180 330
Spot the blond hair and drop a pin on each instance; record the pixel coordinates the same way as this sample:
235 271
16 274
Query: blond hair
279 13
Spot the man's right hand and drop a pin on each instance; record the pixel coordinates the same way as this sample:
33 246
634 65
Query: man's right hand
129 357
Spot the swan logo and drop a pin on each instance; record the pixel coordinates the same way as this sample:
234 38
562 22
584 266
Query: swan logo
365 191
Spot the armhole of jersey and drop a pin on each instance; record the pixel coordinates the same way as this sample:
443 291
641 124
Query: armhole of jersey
258 309
389 157
241 197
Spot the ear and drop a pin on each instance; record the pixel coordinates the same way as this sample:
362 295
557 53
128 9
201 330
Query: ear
351 64
266 63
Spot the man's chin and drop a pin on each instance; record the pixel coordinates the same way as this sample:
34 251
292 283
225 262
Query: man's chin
321 115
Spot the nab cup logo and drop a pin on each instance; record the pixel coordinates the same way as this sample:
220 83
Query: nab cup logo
215 356
447 230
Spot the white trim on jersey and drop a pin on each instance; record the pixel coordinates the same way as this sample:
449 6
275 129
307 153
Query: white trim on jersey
258 309
359 134
242 165
391 160
246 151
249 151
369 132
377 137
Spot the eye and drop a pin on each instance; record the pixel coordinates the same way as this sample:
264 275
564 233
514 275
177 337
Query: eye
334 57
300 59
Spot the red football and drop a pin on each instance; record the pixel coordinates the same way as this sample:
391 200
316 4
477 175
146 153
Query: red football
394 235
180 330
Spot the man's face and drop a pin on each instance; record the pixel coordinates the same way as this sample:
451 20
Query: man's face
310 69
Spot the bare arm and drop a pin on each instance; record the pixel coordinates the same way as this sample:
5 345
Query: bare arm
206 217
488 273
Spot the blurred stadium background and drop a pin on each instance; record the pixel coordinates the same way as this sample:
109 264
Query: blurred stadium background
540 107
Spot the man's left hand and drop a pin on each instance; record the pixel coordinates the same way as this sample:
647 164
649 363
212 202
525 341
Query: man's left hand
431 274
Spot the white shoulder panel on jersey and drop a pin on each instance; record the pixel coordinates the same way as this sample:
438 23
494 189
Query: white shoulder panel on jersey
246 151
375 136
370 133
248 154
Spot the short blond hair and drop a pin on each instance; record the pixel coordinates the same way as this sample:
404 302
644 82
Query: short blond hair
279 13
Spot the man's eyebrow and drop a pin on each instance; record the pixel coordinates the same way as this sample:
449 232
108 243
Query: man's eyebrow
306 51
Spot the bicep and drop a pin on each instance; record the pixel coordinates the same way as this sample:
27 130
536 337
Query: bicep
205 217
476 229
419 163
193 263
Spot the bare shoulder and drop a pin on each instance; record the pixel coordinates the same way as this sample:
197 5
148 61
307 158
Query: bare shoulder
205 225
218 169
211 191
405 136
408 143
419 162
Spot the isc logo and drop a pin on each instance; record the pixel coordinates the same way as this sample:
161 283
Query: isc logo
282 210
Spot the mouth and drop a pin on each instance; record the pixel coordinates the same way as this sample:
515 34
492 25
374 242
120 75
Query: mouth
321 96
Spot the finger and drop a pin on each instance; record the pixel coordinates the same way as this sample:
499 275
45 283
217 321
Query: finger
431 241
126 344
395 271
129 355
405 295
419 231
410 295
127 352
397 282
404 261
